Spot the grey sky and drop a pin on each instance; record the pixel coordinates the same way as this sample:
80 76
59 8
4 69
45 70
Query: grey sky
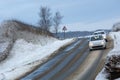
78 14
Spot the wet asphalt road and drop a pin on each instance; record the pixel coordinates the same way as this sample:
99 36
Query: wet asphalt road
75 62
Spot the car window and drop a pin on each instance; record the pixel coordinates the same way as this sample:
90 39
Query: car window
95 33
96 38
99 33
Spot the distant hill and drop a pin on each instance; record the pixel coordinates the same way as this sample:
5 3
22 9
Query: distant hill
75 34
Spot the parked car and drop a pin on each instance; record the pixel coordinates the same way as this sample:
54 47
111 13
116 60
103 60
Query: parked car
101 32
97 42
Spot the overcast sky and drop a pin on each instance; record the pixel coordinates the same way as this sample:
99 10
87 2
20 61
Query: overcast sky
78 14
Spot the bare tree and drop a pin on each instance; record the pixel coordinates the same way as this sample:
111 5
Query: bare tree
57 21
45 18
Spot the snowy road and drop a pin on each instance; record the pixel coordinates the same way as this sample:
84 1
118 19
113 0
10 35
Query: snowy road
75 62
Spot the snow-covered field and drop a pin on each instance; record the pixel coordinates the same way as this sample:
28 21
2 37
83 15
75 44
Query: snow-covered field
24 56
115 51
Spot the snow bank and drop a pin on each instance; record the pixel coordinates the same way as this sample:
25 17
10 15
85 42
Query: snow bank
116 27
116 51
25 56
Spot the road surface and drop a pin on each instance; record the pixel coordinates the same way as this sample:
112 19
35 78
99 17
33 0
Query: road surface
75 62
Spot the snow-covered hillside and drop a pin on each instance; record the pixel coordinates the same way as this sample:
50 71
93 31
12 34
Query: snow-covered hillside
112 57
29 49
25 56
12 30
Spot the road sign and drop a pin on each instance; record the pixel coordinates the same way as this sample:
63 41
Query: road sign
64 28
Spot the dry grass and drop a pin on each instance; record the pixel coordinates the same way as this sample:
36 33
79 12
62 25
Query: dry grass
22 26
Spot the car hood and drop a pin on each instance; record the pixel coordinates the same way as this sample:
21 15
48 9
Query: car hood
97 41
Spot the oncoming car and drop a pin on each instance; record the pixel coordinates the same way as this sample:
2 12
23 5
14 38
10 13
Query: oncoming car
97 42
101 32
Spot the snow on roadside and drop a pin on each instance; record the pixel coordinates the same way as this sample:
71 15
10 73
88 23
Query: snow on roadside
116 38
116 51
25 55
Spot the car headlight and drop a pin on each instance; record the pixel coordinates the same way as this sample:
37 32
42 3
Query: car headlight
90 44
102 43
104 37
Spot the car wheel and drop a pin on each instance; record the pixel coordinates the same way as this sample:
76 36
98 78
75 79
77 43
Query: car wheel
105 47
106 40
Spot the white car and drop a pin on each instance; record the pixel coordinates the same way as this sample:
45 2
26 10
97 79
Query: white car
101 32
97 42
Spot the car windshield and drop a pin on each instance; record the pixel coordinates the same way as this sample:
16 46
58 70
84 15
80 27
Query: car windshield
96 38
99 33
